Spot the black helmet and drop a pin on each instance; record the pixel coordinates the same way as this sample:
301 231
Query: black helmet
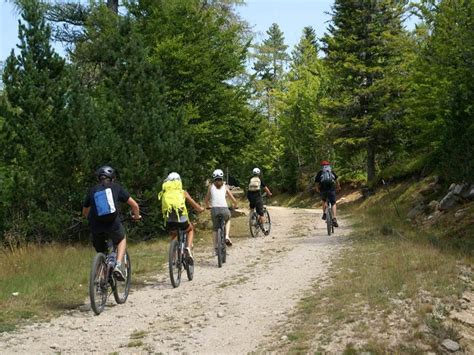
105 171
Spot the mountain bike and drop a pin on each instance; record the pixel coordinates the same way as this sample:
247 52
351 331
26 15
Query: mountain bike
102 280
256 228
178 259
329 222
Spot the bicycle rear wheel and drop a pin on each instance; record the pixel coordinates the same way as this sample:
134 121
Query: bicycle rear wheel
122 288
98 286
253 224
220 239
175 263
267 225
329 220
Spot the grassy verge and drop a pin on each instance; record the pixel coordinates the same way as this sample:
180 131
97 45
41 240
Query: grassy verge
389 291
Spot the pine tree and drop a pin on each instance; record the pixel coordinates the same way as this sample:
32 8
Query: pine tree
36 147
365 51
269 67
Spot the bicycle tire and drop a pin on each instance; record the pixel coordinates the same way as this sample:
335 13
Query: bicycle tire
223 244
174 263
98 283
122 288
219 246
253 224
329 220
189 267
267 227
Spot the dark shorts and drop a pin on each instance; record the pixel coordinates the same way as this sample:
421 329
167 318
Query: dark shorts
329 195
99 240
173 226
176 222
216 212
256 201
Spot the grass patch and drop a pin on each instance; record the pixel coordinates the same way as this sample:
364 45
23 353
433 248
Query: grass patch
135 344
39 282
138 334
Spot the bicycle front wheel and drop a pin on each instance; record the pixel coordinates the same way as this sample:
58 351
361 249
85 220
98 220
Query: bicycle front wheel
253 224
122 288
175 263
267 224
98 285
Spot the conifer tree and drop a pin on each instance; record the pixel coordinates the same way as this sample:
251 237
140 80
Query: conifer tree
35 145
365 50
269 67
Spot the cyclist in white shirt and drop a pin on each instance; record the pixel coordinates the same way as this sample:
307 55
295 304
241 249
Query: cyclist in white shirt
216 199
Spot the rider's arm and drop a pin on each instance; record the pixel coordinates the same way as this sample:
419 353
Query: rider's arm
208 197
85 211
135 208
234 201
267 190
193 203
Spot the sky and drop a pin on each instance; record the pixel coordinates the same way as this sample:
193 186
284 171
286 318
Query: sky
290 15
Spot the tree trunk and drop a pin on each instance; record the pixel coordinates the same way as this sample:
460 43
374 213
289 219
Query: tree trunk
113 6
370 163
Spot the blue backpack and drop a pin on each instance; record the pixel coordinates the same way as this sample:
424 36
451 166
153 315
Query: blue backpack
105 204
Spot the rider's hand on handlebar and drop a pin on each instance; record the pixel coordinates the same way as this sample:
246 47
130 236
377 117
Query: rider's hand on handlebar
136 218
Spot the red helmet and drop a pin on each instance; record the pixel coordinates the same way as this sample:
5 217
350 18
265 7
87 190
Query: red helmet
325 162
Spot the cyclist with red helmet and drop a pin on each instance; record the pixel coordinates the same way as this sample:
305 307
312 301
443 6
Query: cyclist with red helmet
327 184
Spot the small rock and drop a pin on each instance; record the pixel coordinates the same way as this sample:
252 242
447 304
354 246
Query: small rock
459 213
432 206
284 338
220 315
416 211
448 202
450 345
54 346
15 294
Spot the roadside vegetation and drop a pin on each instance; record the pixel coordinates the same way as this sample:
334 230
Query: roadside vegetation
392 287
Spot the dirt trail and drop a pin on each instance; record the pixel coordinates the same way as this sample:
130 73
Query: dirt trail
227 310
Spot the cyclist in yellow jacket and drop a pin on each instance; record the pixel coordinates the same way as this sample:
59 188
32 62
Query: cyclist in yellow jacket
175 213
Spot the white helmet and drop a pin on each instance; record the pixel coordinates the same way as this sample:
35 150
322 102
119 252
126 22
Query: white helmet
173 176
218 174
256 171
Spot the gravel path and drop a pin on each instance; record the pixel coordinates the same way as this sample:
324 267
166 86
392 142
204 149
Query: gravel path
227 310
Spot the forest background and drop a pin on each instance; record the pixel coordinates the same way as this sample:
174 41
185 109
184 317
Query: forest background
151 87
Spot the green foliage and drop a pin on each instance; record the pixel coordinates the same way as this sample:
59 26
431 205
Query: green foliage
36 146
366 54
441 103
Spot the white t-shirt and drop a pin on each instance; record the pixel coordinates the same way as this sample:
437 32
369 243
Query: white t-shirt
218 196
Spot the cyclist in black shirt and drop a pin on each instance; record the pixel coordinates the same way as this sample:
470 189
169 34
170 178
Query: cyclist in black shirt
101 207
327 184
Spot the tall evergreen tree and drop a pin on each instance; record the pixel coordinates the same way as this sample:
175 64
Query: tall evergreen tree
365 50
269 67
36 147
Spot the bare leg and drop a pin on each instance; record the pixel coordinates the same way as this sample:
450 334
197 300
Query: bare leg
190 232
324 207
227 229
121 247
334 210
